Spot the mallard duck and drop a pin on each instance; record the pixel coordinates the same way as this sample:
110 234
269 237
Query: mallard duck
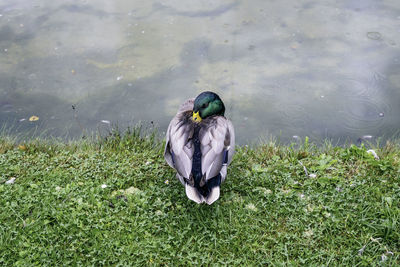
200 143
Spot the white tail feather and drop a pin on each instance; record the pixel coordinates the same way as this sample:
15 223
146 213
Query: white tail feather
213 195
193 194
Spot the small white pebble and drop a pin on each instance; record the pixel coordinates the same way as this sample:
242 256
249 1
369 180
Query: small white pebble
5 49
105 121
373 153
142 31
103 186
21 120
11 181
120 78
312 175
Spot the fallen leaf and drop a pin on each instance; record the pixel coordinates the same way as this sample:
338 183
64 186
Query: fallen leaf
34 118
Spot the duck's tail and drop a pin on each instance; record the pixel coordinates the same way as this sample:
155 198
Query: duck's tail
208 193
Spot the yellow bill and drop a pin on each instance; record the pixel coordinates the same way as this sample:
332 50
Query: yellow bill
196 117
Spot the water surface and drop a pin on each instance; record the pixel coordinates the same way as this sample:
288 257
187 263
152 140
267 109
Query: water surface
324 69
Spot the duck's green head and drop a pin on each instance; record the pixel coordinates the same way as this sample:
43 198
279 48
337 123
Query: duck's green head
207 104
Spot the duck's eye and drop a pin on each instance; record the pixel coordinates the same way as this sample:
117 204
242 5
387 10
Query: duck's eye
204 105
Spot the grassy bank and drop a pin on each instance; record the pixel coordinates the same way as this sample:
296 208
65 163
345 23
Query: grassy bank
115 201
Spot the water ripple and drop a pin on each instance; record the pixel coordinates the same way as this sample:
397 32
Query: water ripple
364 114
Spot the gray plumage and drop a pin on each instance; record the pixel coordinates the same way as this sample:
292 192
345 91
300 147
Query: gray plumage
217 145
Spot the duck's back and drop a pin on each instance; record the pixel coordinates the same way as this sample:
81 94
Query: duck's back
200 152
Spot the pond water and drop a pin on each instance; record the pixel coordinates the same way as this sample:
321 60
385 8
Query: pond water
286 69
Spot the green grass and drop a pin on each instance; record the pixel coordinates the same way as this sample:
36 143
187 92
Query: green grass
269 213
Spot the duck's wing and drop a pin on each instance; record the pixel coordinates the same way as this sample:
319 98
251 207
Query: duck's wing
217 147
179 148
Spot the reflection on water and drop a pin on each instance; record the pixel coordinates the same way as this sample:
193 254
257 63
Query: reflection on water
326 69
